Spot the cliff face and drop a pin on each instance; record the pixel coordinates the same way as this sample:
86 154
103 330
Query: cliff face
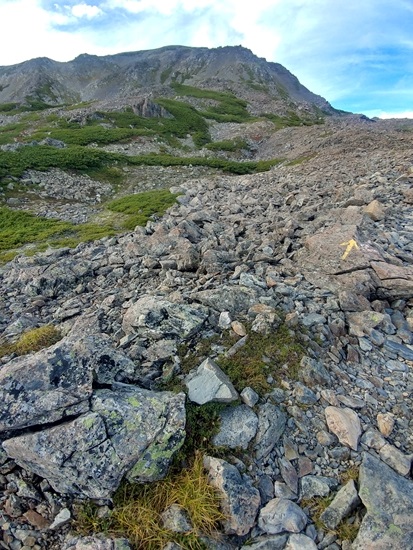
91 77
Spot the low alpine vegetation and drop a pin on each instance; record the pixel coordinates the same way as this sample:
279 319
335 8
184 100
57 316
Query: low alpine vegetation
138 508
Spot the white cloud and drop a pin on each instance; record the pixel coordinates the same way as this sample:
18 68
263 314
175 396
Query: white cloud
386 115
85 10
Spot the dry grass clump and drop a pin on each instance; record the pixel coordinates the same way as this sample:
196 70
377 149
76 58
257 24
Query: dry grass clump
137 511
32 340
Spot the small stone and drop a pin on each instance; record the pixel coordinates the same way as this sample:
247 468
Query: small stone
63 517
238 328
249 396
385 422
176 519
298 541
290 450
316 486
345 424
36 519
375 211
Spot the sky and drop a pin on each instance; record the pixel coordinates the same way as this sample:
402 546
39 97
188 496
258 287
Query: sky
358 54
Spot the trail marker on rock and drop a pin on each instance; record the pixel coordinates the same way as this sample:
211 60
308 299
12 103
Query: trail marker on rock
350 245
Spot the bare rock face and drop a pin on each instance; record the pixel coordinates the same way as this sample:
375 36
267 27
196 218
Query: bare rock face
345 424
58 382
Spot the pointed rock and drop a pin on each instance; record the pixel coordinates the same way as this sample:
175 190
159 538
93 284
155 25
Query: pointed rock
209 383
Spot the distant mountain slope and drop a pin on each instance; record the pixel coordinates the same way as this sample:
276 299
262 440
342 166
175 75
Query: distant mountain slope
266 86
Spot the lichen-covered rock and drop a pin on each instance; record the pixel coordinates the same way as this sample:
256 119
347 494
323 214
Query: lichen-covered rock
128 431
238 426
57 382
388 498
152 316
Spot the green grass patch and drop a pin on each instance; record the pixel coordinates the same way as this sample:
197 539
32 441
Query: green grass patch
137 510
32 340
18 228
277 354
8 107
292 119
140 207
89 134
228 108
11 132
42 157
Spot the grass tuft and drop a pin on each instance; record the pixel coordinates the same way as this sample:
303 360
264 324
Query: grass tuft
32 341
137 511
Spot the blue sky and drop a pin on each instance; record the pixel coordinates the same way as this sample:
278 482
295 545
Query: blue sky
358 54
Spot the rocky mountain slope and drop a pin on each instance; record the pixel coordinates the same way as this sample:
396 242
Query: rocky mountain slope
88 77
266 318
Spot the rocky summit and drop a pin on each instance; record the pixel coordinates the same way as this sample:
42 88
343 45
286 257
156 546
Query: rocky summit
285 297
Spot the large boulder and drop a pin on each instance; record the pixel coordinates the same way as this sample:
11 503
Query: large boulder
57 382
128 430
155 317
388 498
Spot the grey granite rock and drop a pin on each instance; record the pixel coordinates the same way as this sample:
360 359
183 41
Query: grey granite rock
209 383
238 426
388 498
240 500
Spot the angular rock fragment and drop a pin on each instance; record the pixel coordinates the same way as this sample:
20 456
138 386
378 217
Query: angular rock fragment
281 515
209 383
237 427
345 424
240 500
271 426
345 501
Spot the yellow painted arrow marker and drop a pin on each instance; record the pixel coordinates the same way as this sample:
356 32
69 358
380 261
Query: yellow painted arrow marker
350 245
